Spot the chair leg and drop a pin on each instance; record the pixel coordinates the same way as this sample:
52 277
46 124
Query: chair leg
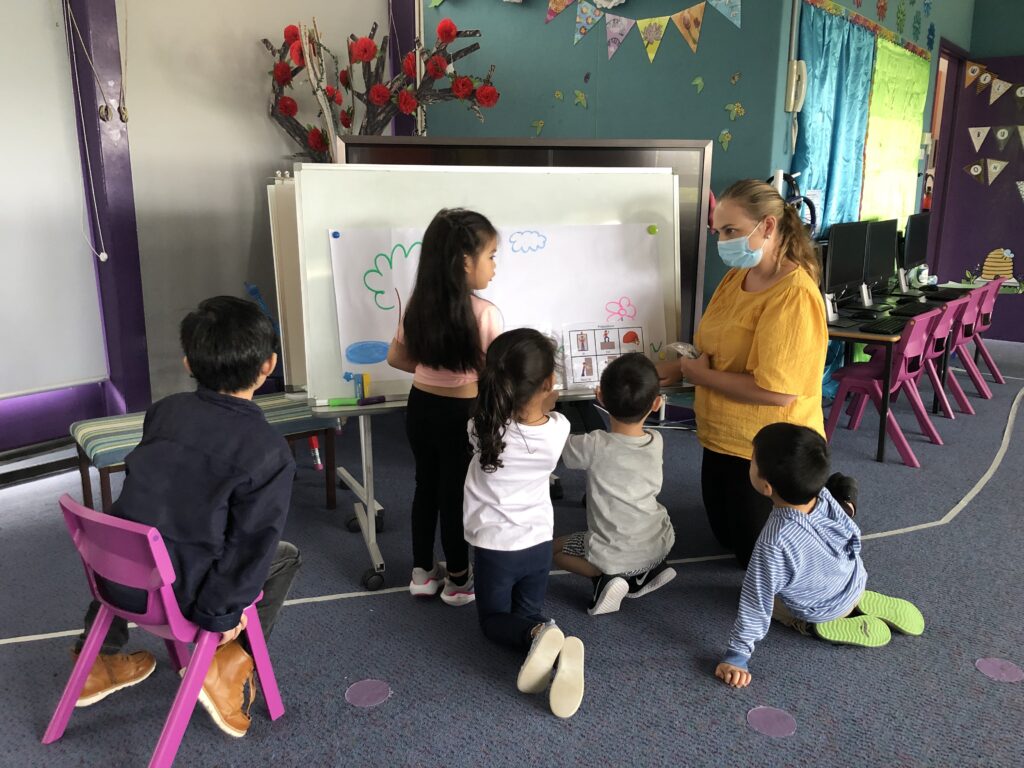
330 469
179 653
86 657
921 413
83 469
861 401
906 453
940 393
958 393
987 357
106 497
184 701
972 371
261 658
837 410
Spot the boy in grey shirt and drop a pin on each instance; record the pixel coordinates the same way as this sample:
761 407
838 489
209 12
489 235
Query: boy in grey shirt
629 533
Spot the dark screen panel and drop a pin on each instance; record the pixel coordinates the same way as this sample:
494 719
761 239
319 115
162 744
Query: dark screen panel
689 160
880 261
844 260
915 241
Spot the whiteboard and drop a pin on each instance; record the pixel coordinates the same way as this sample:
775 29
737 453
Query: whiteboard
288 282
403 199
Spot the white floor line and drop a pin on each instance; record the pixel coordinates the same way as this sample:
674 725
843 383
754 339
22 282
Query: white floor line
986 374
944 520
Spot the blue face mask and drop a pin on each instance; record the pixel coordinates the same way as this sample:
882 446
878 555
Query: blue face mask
738 253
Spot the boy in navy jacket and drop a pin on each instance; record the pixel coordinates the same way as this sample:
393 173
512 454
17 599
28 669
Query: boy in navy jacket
215 479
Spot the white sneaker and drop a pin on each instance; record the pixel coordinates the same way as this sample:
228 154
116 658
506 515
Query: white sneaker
427 583
566 692
459 594
535 674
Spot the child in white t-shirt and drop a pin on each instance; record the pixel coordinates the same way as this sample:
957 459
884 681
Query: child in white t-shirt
507 513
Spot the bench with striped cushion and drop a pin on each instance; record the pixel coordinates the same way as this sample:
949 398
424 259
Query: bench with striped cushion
105 443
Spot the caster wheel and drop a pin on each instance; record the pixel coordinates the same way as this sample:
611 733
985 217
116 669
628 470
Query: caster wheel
373 580
353 523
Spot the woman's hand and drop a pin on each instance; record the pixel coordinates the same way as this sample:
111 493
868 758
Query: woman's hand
669 373
693 368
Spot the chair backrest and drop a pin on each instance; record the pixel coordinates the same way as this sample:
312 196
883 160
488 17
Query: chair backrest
950 312
909 353
965 325
988 303
132 555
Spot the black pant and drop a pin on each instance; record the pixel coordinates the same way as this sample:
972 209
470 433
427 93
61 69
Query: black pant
510 589
436 427
736 511
283 567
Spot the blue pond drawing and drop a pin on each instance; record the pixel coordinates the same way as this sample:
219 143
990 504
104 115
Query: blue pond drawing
367 352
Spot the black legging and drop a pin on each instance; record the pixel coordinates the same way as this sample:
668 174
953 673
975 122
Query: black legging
736 511
436 427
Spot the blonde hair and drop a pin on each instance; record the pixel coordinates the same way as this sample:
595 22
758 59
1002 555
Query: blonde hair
760 199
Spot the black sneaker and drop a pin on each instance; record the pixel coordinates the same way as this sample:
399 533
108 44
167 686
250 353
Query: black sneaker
555 488
648 581
844 490
608 594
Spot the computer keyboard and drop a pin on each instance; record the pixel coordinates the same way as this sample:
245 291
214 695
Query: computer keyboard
887 326
865 314
913 309
946 294
844 322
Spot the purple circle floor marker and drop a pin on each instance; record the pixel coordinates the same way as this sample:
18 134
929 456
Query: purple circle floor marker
771 721
367 693
1000 670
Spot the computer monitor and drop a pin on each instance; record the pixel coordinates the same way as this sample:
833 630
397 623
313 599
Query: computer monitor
880 261
915 241
844 258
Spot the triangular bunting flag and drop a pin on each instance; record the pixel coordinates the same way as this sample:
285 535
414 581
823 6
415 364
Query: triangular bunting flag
995 167
1003 134
728 8
970 73
978 137
1020 130
984 81
1020 188
689 23
999 87
555 7
976 172
1018 93
651 33
616 28
587 15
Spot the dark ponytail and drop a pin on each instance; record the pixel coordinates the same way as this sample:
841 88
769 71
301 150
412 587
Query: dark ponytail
440 327
519 362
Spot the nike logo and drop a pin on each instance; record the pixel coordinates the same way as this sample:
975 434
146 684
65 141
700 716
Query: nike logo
642 578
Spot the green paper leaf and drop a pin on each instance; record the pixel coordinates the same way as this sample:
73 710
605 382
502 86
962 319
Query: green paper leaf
699 82
538 125
581 99
435 3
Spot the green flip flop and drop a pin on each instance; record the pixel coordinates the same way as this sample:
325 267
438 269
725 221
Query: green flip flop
901 615
865 631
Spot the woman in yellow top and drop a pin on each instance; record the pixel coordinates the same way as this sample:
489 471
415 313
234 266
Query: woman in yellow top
763 339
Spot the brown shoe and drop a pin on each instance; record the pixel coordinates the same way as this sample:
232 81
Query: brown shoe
223 693
112 672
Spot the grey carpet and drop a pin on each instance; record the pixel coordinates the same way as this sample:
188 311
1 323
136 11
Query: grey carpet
651 698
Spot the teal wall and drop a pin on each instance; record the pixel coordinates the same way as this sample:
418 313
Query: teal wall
998 28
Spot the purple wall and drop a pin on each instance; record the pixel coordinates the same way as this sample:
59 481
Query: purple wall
973 218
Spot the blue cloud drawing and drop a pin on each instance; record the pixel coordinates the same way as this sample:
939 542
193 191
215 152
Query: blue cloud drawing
527 241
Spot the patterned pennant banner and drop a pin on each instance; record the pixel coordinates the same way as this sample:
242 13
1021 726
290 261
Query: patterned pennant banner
555 7
616 27
689 23
729 8
999 87
971 72
1003 134
976 172
995 167
984 81
651 33
587 15
1018 93
978 137
1020 188
1020 130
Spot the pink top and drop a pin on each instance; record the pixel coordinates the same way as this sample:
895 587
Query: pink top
490 323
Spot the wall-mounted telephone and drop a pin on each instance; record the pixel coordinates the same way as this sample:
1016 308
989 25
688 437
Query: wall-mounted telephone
796 85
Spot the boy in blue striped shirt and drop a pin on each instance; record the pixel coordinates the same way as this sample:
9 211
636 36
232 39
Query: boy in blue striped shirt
806 571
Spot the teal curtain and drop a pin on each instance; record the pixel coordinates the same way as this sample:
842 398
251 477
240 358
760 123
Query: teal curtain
829 153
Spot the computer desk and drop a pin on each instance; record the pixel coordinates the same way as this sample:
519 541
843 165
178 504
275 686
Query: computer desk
888 342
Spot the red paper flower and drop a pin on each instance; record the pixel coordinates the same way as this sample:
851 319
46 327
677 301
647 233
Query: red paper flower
338 98
295 51
407 102
286 106
343 79
446 31
345 118
379 95
437 67
409 65
487 96
316 141
282 73
291 34
329 91
364 49
462 87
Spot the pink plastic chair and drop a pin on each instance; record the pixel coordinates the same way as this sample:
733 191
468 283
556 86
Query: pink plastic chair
864 380
988 304
963 333
134 555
